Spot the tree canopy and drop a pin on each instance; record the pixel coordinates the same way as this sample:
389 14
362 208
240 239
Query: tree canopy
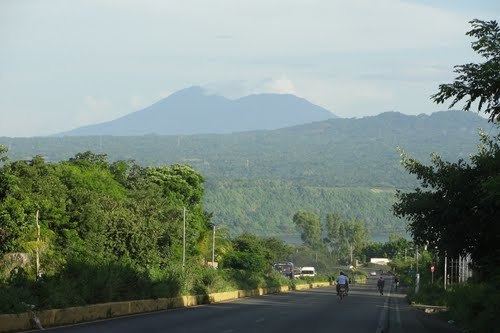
478 83
456 208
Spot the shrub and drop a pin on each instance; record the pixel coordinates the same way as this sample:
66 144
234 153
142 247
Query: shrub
475 306
249 261
430 294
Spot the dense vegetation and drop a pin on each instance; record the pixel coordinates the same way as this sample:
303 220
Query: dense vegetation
267 207
339 238
333 153
455 211
113 231
257 180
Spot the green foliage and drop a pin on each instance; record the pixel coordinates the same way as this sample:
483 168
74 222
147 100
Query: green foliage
349 166
478 83
430 294
475 306
397 246
111 232
3 153
336 240
102 227
266 207
253 254
345 237
309 226
457 208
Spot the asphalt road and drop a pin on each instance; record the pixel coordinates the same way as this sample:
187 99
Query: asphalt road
316 310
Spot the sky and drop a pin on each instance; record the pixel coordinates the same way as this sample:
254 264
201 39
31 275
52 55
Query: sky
64 64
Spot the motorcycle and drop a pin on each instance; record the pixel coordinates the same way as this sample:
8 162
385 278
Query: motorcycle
342 292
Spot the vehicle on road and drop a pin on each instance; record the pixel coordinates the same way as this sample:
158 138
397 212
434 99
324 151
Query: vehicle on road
380 285
342 292
287 269
396 283
308 271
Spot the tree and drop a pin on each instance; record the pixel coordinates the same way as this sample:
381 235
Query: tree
248 254
355 236
395 247
309 225
333 225
3 153
478 82
457 207
345 236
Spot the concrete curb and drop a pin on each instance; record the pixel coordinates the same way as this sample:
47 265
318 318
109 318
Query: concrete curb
59 317
430 308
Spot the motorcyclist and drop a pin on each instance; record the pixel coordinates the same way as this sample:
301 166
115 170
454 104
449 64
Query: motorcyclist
396 281
342 280
380 285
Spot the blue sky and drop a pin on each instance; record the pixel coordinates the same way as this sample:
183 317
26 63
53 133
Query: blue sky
65 64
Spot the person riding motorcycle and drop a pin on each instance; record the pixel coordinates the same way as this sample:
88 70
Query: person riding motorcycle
380 285
342 280
396 282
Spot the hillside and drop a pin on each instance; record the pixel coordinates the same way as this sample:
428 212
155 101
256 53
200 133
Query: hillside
256 180
193 111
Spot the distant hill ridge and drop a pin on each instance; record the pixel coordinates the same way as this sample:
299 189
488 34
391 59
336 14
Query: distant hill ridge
257 180
193 111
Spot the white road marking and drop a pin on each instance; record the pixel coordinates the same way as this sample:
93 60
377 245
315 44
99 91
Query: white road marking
398 314
383 314
260 320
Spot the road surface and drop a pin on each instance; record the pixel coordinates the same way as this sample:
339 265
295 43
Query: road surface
315 310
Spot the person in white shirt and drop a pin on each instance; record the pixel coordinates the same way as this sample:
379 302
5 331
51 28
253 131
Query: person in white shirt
342 279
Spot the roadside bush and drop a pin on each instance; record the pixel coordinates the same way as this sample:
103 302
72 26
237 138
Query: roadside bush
475 306
249 261
430 294
313 279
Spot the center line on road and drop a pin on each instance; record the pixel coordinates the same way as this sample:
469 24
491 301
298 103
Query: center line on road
383 314
398 314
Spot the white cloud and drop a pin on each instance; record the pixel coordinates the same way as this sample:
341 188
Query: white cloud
164 94
281 86
137 102
94 110
239 88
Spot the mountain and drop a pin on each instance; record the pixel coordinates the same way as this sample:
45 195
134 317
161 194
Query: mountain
193 111
257 180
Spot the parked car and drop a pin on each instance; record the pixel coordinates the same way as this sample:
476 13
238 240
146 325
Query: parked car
287 269
308 271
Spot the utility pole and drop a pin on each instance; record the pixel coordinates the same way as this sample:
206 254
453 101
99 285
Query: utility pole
445 269
184 238
417 277
213 246
37 245
416 255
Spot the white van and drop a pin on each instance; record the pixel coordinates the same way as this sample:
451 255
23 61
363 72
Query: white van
307 271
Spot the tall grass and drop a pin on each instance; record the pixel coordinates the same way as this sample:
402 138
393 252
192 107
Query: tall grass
81 283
